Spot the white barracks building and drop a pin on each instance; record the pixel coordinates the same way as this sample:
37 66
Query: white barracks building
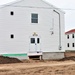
31 28
70 40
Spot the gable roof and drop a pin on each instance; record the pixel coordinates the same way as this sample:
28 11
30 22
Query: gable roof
70 31
32 4
10 3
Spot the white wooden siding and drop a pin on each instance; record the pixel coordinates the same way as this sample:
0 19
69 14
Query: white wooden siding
20 25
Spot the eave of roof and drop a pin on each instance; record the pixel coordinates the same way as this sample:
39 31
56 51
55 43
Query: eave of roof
10 3
17 1
70 31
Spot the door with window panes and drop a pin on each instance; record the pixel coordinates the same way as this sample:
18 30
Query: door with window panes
35 44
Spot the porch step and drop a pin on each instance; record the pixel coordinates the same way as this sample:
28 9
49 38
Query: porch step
35 55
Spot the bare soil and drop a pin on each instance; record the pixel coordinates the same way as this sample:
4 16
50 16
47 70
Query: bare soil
70 54
39 68
7 60
64 66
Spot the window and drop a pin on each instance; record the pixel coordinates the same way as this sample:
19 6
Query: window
11 13
32 40
72 35
34 18
67 36
68 45
12 36
72 44
38 40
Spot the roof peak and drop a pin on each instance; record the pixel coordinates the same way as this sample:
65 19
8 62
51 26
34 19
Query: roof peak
24 3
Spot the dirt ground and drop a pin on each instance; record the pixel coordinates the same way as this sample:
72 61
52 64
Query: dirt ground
65 66
39 68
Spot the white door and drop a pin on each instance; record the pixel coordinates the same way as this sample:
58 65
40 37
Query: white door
34 44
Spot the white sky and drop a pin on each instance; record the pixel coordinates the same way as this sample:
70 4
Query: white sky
66 4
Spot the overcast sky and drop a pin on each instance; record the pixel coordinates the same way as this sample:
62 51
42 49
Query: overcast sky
63 4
